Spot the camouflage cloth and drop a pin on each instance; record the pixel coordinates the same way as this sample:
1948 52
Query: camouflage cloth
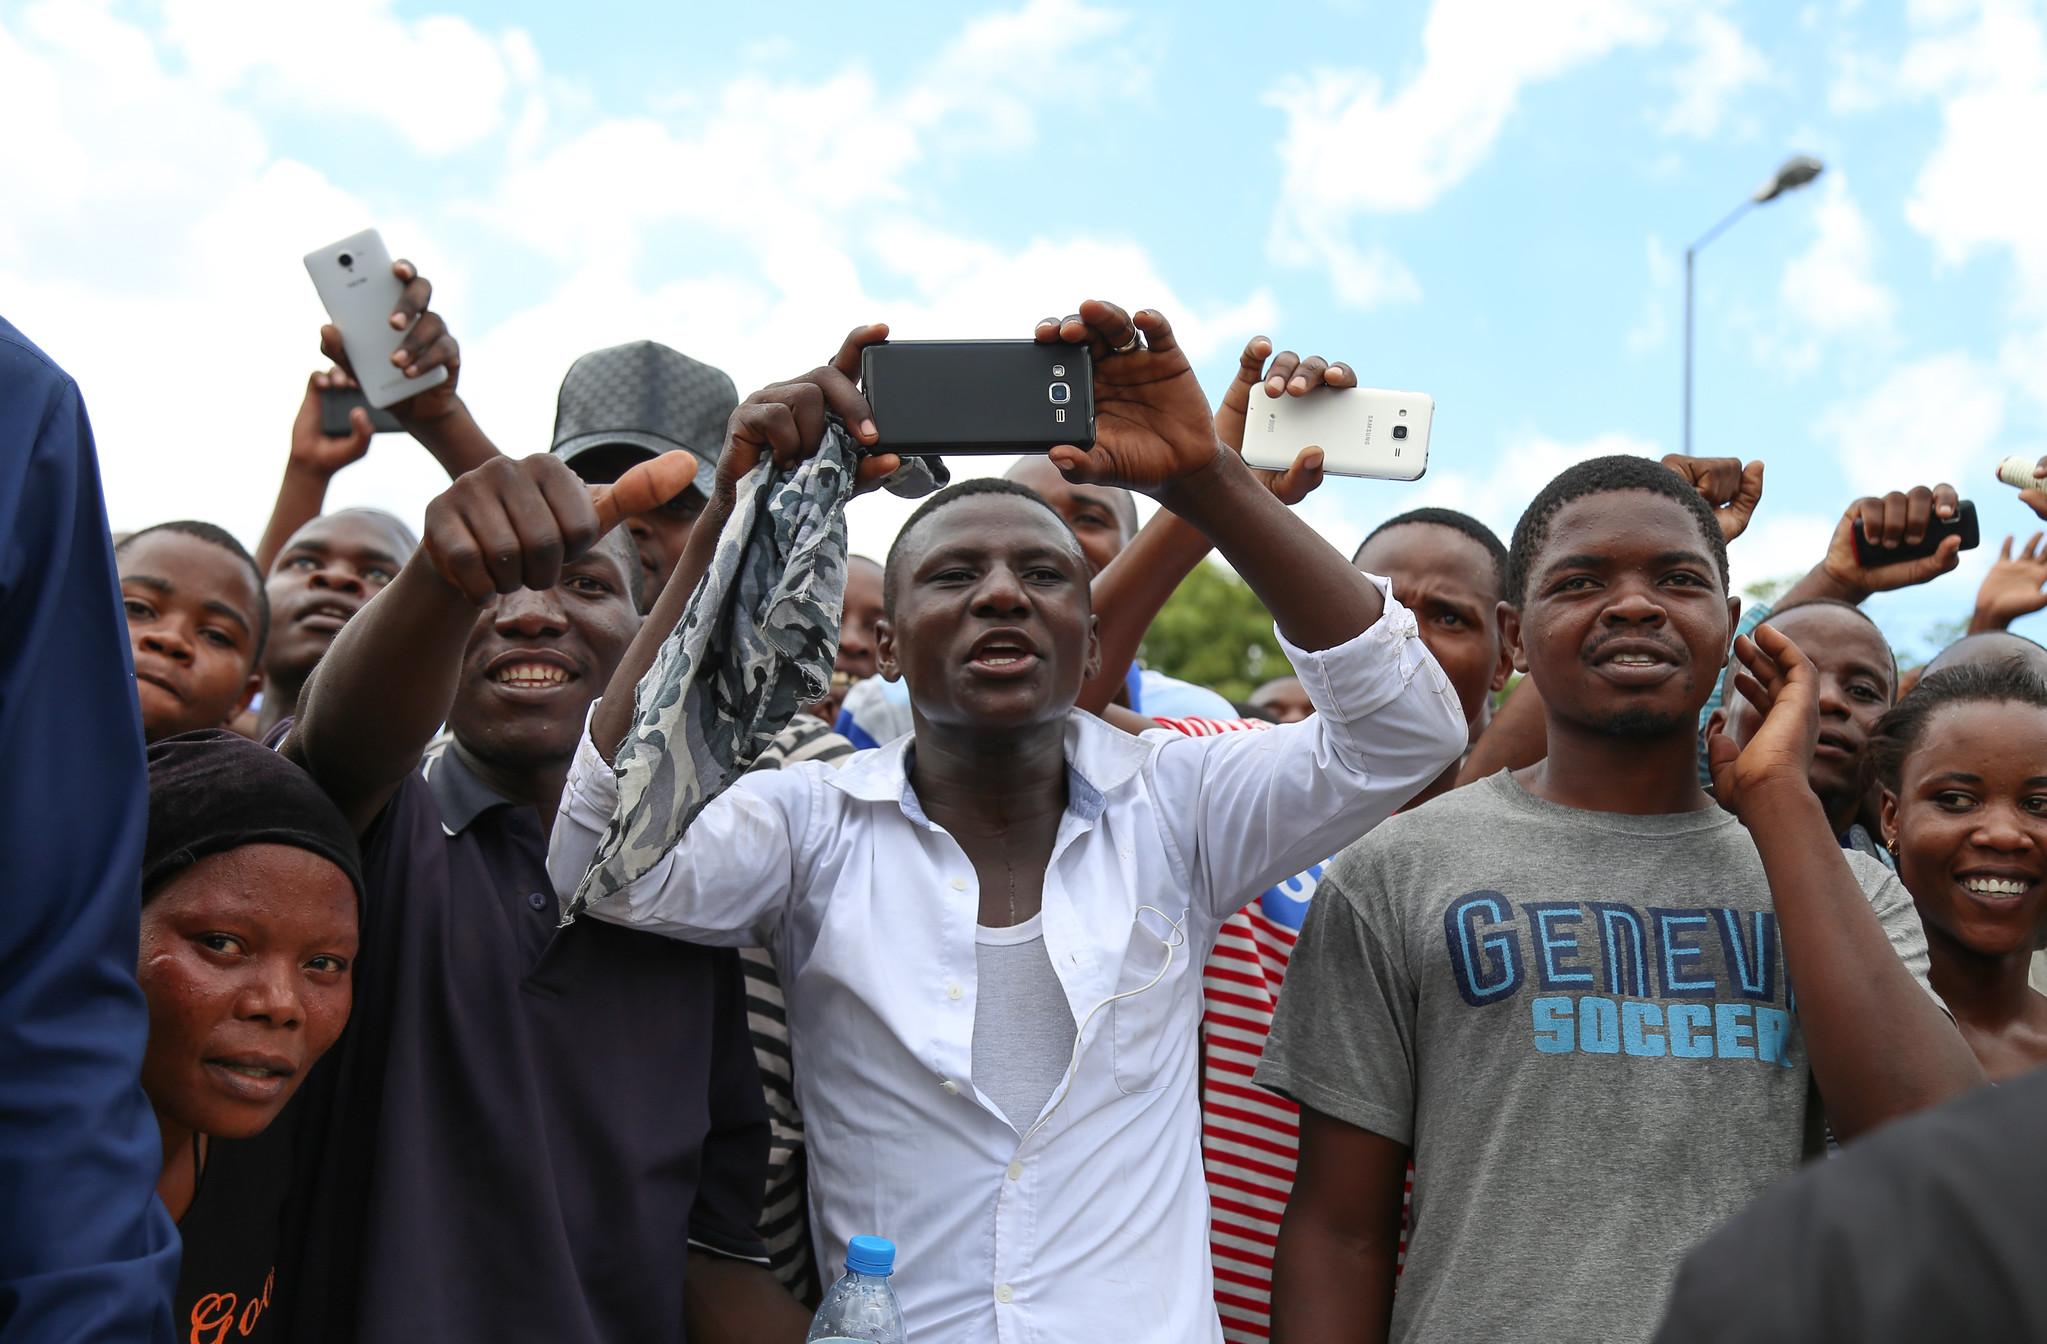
755 646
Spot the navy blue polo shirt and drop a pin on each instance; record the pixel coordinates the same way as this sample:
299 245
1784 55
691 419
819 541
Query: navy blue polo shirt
522 1131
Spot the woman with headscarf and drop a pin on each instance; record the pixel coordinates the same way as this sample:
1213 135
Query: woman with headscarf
251 887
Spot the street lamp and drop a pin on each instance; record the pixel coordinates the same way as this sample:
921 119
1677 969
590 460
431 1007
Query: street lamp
1798 170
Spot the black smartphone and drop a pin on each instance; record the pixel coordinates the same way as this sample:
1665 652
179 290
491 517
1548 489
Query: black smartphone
946 397
337 402
1963 525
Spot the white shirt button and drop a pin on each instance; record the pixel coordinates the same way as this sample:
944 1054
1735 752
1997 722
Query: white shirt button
959 884
952 1089
1015 1171
1004 1294
953 991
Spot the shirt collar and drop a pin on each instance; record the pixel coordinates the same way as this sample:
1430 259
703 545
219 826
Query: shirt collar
460 795
1100 758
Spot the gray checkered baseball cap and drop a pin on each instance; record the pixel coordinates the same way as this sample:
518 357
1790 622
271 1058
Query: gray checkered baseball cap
632 402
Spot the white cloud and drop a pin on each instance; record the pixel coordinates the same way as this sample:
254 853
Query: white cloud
786 169
132 260
1929 420
1352 147
1779 544
436 81
1981 189
1723 67
1403 150
1831 287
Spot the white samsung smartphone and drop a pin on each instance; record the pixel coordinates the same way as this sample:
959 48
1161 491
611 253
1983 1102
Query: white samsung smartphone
355 282
1362 431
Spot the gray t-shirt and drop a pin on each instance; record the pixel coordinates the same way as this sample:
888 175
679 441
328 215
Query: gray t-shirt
1579 1022
1023 1028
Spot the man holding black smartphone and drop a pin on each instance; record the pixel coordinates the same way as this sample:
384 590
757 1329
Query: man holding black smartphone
992 934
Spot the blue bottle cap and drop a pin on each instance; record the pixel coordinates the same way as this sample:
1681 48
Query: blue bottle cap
871 1255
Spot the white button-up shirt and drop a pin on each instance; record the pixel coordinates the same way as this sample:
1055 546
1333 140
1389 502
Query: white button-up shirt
1092 1223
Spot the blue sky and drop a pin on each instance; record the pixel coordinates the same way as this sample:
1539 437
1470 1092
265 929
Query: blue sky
1483 199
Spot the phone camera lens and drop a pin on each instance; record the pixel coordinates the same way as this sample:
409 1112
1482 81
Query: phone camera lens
1061 394
1400 431
347 260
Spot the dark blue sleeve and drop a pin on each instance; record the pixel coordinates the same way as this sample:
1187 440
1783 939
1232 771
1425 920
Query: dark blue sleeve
86 1250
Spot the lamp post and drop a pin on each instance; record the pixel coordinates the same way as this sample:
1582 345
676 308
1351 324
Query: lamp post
1798 170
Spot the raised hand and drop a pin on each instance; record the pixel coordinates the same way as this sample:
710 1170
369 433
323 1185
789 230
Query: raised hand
1900 517
513 522
787 419
1729 488
1778 679
2015 586
427 346
2036 497
1290 375
323 454
1152 423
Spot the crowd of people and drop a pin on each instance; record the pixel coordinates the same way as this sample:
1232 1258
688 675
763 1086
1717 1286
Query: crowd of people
578 918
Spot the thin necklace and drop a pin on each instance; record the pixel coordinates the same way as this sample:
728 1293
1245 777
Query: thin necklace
1009 862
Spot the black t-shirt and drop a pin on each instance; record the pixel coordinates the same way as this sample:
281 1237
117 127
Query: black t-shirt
1932 1228
227 1280
523 1131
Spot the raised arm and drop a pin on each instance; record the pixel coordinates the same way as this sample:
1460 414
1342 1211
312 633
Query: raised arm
1902 516
1878 1043
505 526
2014 586
1153 432
786 420
315 457
1136 586
437 417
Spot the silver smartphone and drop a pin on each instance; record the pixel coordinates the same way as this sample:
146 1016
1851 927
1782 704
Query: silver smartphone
1362 431
355 283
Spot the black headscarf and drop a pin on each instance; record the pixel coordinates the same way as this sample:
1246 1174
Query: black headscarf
212 791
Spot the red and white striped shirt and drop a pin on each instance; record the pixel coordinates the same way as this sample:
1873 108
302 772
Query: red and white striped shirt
1250 1137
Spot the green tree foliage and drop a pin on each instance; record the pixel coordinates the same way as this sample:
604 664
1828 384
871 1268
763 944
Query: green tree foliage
1768 590
1214 632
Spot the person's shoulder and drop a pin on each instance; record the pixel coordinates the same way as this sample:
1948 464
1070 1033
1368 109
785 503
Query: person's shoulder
1871 873
28 369
410 813
1483 801
1416 846
1175 699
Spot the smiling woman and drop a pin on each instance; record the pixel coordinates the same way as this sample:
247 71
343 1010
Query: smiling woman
1962 762
250 889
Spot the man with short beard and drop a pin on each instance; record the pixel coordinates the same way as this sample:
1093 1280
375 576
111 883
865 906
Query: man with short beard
1568 989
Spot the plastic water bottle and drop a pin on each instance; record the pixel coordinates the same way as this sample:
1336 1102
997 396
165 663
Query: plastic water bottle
861 1308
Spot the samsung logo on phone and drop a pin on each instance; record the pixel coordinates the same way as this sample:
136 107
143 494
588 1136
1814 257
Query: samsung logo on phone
1368 429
